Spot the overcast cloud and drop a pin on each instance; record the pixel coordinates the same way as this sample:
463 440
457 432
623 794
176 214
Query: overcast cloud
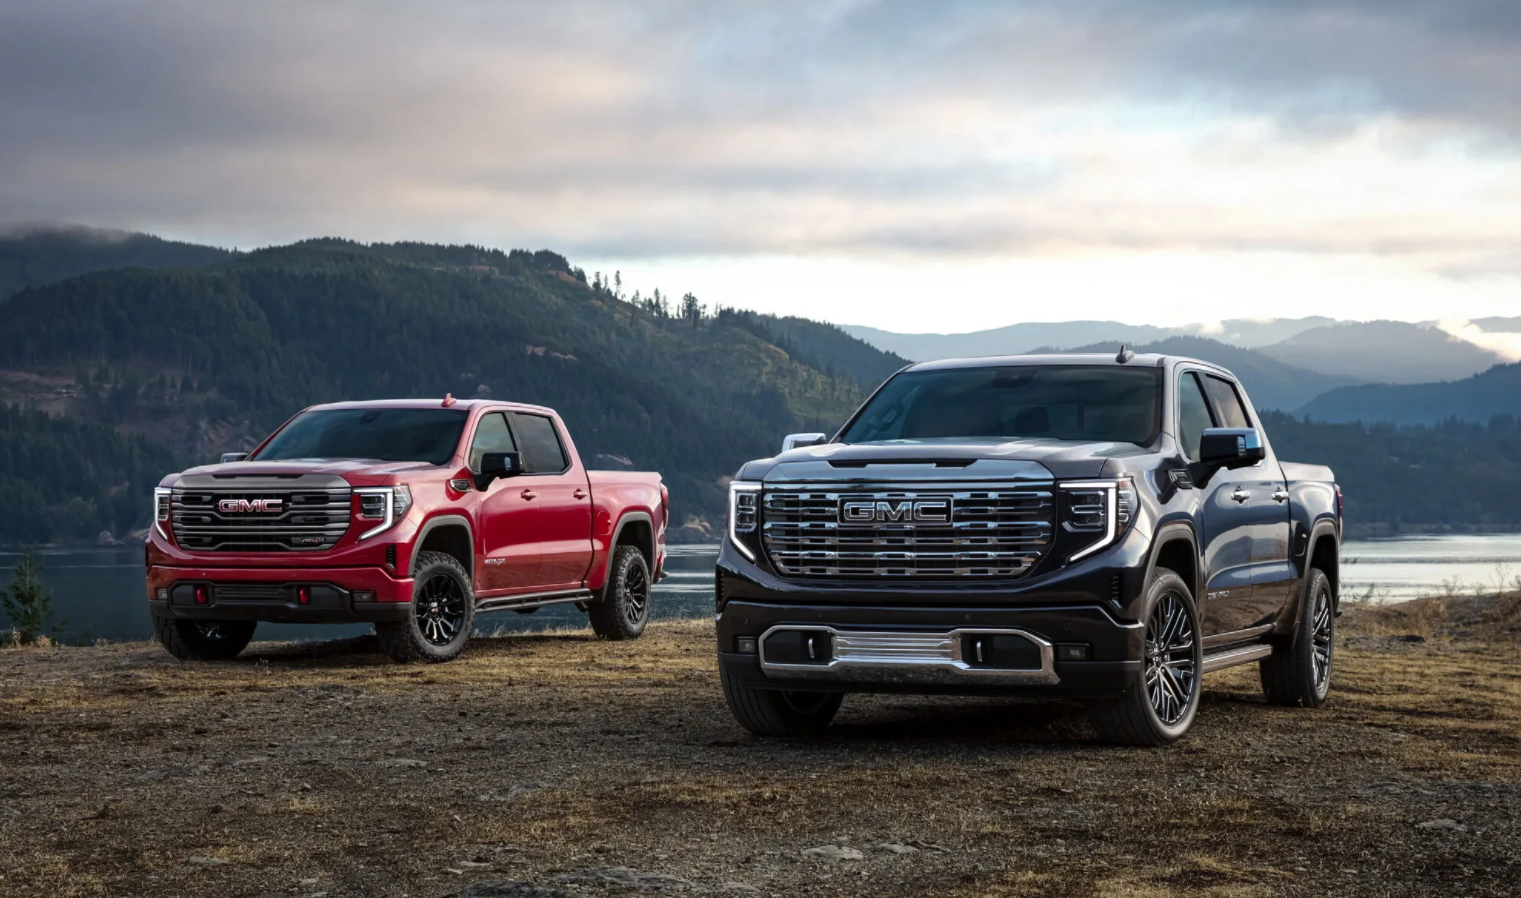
1372 140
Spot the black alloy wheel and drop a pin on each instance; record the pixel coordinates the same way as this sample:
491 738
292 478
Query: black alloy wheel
1171 674
441 609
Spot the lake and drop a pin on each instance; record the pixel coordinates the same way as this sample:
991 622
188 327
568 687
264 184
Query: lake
98 593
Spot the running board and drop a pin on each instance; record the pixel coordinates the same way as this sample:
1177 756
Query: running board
1233 657
533 600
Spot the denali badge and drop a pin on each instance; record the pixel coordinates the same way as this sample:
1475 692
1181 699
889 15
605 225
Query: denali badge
244 506
876 511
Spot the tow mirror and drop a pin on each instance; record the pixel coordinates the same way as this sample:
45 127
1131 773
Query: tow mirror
797 440
498 464
228 457
1231 447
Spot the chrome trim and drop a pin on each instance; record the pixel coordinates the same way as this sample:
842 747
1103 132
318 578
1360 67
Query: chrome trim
908 656
1222 660
1111 516
735 488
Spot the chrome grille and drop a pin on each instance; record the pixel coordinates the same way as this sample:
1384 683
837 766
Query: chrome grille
991 532
309 520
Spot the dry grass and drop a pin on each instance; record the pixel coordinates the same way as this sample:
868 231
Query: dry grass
553 759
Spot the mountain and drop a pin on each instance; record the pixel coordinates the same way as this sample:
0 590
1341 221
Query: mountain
1479 399
195 362
31 257
1270 383
1384 352
1020 338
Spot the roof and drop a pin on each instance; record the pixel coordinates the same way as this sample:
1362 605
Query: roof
1102 359
460 404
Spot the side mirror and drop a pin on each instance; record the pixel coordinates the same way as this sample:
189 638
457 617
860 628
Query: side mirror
1231 447
795 440
228 457
498 464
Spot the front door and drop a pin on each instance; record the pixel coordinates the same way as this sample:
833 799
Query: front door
1225 524
507 519
562 497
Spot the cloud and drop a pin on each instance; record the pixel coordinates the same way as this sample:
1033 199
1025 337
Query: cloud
871 129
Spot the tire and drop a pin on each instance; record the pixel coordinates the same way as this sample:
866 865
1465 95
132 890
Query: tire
624 608
777 712
441 614
203 640
1298 673
1163 697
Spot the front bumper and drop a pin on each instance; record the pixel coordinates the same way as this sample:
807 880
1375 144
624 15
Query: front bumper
332 595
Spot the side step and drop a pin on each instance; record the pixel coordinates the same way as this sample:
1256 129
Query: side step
1233 657
533 600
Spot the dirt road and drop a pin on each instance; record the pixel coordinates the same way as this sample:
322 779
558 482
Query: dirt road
589 768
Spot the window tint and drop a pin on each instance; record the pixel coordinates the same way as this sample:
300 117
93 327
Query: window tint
1227 402
383 434
491 435
542 452
1193 416
1054 402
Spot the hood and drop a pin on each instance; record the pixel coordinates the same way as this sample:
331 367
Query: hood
347 468
948 459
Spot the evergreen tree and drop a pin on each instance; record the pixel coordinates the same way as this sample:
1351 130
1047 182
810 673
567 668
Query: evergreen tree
28 604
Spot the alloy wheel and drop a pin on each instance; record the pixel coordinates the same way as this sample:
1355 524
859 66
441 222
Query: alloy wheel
441 609
636 590
1171 672
1321 639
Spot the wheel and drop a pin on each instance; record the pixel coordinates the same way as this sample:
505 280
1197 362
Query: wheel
442 612
625 605
1159 706
778 712
1299 670
208 640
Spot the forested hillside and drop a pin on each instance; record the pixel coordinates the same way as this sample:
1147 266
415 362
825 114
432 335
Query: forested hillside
36 256
201 361
1474 399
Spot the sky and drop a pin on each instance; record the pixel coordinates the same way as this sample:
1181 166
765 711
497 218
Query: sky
916 166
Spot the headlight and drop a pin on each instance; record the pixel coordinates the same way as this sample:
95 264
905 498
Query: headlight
161 509
386 504
744 514
1103 508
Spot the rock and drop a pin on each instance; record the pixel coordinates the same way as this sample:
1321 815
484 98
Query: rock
509 888
205 861
926 846
1442 823
625 878
895 848
471 865
833 853
401 762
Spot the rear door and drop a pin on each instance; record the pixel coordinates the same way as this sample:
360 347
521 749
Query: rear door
507 521
1273 576
560 492
1225 524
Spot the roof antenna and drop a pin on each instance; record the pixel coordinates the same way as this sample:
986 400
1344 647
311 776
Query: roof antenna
448 399
1125 354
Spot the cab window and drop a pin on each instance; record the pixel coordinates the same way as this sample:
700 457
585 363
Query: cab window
491 435
1227 402
1194 416
542 451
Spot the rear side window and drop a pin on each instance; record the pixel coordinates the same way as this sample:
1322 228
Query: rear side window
1193 415
1227 402
491 435
542 451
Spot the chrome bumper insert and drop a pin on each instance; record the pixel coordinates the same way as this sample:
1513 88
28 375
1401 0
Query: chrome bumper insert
906 656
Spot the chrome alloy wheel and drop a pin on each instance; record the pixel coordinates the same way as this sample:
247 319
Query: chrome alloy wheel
636 591
1320 640
440 609
1171 673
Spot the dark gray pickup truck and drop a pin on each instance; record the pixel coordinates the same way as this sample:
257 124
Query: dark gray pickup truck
1108 528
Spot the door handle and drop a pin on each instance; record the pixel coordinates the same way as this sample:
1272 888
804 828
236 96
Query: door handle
579 493
1280 495
1241 495
529 495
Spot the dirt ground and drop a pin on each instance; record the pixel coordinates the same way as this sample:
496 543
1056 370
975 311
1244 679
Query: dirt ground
573 767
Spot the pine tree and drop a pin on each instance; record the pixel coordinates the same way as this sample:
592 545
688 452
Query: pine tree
28 604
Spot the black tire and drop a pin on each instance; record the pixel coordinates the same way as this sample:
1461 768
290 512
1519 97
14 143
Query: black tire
1160 704
624 608
204 640
777 712
441 614
1298 673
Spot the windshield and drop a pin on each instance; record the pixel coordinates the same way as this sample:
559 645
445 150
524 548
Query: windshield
384 434
1057 402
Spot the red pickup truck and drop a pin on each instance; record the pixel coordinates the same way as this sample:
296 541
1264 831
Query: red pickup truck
415 515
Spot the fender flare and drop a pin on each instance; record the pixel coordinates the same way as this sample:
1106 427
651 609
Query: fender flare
1321 528
626 518
1169 533
444 520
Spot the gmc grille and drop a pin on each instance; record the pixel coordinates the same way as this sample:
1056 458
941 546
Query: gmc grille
307 520
991 532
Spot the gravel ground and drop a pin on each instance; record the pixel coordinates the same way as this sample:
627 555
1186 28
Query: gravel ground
557 765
